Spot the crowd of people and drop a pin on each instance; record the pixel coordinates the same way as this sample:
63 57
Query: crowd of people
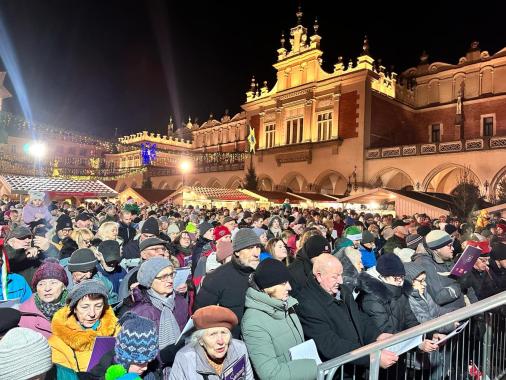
90 292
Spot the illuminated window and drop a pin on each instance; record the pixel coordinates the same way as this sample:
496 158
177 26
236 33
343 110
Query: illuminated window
324 126
294 131
270 135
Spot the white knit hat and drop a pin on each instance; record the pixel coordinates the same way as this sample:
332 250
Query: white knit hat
24 354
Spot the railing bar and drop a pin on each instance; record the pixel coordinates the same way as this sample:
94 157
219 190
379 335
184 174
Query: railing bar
463 350
470 341
342 373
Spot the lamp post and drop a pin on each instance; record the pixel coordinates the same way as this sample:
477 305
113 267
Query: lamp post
185 167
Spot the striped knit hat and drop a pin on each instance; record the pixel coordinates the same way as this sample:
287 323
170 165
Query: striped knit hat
137 342
437 239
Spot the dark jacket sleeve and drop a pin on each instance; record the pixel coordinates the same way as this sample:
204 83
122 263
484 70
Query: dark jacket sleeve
329 343
168 353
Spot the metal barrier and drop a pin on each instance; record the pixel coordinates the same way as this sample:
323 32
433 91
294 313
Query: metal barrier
478 352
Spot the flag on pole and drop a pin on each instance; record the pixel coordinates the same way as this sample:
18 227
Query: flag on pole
251 139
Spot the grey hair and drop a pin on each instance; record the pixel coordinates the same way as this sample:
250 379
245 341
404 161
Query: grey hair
196 337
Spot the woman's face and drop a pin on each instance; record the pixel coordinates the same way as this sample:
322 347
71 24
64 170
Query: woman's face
215 341
280 252
163 283
89 311
185 240
275 223
50 290
279 292
263 238
419 283
114 232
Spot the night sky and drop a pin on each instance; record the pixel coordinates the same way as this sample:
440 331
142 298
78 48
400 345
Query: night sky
93 66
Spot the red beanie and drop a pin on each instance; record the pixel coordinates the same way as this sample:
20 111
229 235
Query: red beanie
220 232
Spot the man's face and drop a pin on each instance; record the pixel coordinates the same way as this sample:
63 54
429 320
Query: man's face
154 251
62 234
481 264
249 256
446 252
401 231
126 218
145 236
258 223
331 278
501 264
15 217
78 277
23 242
83 223
232 225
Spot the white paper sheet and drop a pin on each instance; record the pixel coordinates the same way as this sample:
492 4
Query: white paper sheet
405 346
187 328
458 330
181 276
306 350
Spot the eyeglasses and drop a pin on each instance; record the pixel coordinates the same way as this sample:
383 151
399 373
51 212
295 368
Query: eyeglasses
26 237
166 277
398 278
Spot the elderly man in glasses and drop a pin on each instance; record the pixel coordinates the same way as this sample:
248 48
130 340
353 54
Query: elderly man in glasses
438 262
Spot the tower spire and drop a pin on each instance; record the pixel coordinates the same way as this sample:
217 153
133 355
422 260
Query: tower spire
299 14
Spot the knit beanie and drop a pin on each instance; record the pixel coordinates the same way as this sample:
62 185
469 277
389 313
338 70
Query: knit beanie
24 354
390 265
9 318
149 269
137 341
450 228
63 221
150 226
315 246
85 288
271 272
82 260
367 237
245 238
223 250
110 250
423 230
412 241
437 239
220 232
413 270
49 270
498 251
353 233
204 227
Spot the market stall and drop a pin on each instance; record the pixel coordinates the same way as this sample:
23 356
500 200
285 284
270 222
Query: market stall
212 197
146 196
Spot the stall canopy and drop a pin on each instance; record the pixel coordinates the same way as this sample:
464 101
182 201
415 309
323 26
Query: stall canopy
406 202
145 195
207 195
274 197
56 187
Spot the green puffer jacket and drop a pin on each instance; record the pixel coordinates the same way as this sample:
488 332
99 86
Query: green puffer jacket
269 329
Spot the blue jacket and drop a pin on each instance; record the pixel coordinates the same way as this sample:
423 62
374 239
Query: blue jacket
17 287
368 257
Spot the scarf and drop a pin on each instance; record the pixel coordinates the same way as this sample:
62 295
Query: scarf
185 251
49 308
168 330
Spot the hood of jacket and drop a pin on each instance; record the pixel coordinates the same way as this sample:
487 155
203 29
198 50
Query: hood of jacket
73 335
258 300
381 290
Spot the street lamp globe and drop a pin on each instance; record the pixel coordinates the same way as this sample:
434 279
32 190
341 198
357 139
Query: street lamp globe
37 149
185 166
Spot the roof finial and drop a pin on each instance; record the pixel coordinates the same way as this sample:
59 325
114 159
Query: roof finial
365 46
282 39
252 86
316 26
299 14
424 57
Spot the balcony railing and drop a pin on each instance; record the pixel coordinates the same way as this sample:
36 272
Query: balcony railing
436 148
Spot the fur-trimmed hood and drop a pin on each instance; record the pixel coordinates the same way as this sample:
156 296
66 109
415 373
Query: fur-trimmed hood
73 335
381 290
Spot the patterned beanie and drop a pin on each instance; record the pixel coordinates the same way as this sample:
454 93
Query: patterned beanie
137 341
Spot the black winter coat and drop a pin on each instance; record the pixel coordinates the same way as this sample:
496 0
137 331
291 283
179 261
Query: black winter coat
300 270
494 282
126 232
336 325
226 286
197 251
387 305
